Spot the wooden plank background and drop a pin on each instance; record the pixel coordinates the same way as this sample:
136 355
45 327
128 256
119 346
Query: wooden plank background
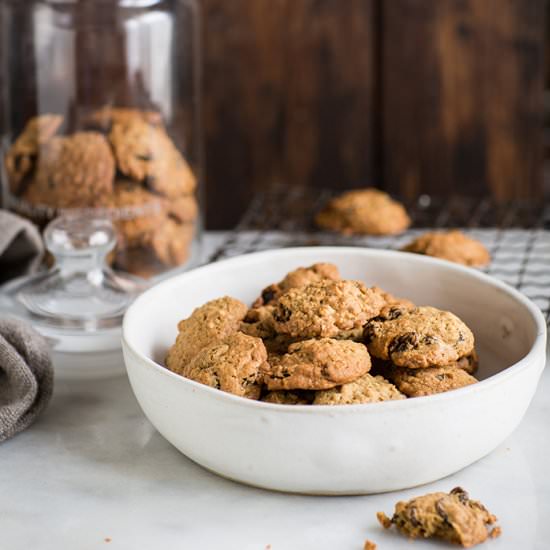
438 96
413 96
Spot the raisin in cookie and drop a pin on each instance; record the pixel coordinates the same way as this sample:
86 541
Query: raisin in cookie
418 338
453 517
451 245
316 365
72 172
325 309
232 365
300 277
171 242
207 325
364 212
366 389
430 380
21 157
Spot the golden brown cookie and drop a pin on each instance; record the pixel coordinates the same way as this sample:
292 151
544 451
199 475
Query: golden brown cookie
453 517
297 278
430 380
364 212
21 157
146 154
366 389
207 325
171 242
296 397
418 338
325 309
450 245
394 301
135 212
316 365
72 172
232 365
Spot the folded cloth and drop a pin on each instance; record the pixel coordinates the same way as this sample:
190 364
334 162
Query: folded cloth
21 246
26 376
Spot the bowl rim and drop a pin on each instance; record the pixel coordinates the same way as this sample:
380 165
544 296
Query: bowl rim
538 347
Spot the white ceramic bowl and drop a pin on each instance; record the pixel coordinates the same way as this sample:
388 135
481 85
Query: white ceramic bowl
345 449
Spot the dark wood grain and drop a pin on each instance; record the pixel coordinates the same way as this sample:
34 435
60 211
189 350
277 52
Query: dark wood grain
462 96
288 97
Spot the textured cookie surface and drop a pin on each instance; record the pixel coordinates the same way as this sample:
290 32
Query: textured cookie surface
296 397
453 517
135 212
431 380
146 154
419 337
72 171
316 365
451 245
364 211
21 157
297 278
366 389
207 325
232 365
325 308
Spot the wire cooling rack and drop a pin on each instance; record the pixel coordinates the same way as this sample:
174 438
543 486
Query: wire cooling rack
516 233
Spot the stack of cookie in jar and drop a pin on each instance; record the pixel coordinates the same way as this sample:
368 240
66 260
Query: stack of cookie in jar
121 164
315 338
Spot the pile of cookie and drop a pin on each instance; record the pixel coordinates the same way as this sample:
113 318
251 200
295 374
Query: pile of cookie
315 338
122 164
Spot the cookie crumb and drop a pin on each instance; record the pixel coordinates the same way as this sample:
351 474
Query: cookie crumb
369 545
107 539
384 520
495 532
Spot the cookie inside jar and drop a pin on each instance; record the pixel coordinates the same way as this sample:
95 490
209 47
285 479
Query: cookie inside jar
121 163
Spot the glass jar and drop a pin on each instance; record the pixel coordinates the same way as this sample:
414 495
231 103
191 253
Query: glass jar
101 114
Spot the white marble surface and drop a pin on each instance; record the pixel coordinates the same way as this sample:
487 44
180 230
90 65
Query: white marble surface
92 473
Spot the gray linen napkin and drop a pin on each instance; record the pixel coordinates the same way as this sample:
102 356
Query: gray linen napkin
21 246
26 376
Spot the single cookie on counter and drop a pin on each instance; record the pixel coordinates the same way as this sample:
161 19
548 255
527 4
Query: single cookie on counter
364 212
297 278
72 171
418 338
453 517
316 365
207 325
366 389
296 397
20 160
430 380
232 365
147 155
325 309
454 246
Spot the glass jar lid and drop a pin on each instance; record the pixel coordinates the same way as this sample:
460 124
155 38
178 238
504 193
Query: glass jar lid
78 304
